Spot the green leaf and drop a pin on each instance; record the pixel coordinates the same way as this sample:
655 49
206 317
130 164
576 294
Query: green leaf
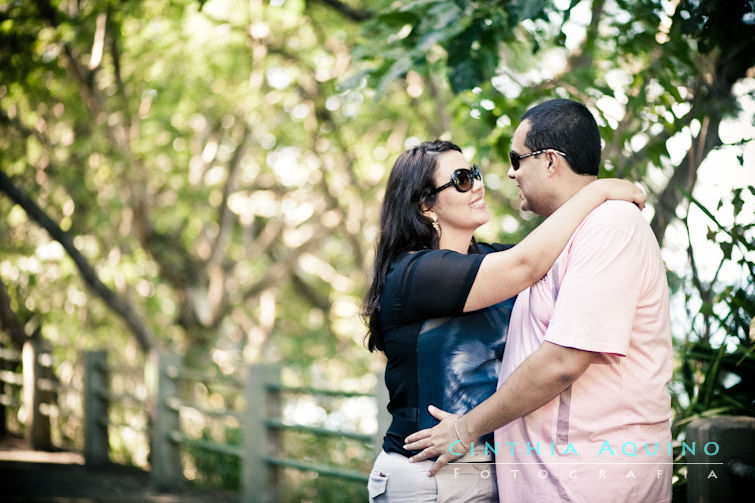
465 75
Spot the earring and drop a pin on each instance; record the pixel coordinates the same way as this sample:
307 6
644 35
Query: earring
436 225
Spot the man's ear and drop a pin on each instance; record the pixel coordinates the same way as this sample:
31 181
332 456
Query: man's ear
554 162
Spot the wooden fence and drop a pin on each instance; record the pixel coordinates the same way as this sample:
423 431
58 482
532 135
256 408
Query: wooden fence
32 392
259 419
27 384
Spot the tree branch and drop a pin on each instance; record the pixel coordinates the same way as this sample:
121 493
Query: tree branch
225 216
705 292
684 176
584 57
346 10
310 294
115 53
120 306
23 128
280 269
9 321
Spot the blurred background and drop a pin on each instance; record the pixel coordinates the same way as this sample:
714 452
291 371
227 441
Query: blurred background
203 179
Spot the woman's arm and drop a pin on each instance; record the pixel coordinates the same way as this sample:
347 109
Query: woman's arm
504 274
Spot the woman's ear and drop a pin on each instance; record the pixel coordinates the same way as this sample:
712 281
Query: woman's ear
427 212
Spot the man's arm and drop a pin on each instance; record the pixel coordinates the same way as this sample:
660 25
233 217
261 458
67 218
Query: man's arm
540 378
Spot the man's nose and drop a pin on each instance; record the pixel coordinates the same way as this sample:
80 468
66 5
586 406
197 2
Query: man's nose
511 172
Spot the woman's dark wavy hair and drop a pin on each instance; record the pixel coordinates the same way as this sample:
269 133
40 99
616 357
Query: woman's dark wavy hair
403 226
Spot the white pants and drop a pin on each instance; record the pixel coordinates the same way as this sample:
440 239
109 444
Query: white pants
395 480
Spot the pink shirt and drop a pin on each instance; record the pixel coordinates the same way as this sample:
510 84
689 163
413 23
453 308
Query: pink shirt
606 437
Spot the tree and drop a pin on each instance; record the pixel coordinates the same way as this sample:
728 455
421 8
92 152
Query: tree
649 69
201 160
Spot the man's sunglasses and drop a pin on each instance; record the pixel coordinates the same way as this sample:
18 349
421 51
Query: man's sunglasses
515 158
462 179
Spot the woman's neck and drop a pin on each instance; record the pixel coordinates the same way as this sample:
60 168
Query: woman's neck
458 242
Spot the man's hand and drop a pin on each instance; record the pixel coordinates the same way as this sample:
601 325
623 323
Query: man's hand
440 440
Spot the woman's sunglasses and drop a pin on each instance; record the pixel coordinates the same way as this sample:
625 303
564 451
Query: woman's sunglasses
516 158
462 179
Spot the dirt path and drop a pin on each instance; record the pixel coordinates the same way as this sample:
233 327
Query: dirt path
60 477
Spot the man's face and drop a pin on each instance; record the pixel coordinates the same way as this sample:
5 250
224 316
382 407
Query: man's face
530 177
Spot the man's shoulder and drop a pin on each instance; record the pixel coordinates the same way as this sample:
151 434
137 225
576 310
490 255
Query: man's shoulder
621 214
618 207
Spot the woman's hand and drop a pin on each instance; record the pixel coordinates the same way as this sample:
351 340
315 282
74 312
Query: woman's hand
615 188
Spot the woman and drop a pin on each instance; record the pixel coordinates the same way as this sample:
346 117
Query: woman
437 298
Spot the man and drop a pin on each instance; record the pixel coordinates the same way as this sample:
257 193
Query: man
582 409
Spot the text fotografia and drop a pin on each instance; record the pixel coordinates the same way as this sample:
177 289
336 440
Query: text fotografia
632 449
598 474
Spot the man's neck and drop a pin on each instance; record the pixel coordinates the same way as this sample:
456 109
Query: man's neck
567 188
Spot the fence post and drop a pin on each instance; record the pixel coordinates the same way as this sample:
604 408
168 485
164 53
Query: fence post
259 481
165 461
96 385
383 416
718 445
5 394
37 424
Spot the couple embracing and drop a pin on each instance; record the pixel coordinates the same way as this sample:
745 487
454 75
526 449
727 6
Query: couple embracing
510 368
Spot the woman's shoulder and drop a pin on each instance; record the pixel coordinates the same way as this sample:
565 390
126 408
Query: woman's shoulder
422 259
492 247
411 256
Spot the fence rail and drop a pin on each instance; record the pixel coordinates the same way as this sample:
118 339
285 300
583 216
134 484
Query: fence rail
260 424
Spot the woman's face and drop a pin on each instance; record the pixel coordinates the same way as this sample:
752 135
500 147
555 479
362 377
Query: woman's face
464 211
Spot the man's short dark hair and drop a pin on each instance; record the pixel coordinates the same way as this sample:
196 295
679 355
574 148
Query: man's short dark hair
567 126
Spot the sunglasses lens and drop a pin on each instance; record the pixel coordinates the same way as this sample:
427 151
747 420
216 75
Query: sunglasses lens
514 158
463 180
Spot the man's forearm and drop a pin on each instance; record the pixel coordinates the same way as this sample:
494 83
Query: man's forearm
540 378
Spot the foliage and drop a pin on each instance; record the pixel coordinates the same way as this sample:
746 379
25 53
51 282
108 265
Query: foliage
309 486
217 469
650 70
726 313
716 357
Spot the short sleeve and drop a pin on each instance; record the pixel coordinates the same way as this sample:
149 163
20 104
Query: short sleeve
430 284
599 292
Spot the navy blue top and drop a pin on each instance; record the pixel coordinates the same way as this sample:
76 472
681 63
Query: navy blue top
425 292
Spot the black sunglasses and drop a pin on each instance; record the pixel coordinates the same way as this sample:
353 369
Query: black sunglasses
515 158
462 179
